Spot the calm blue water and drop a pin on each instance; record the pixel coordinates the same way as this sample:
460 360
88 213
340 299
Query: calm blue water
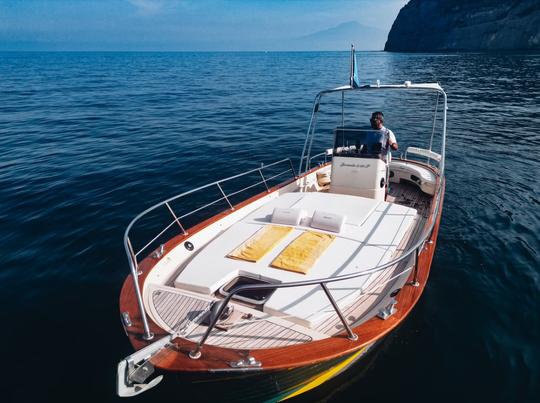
88 140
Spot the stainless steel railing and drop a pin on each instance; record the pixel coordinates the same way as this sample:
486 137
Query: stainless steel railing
325 158
133 255
305 165
416 249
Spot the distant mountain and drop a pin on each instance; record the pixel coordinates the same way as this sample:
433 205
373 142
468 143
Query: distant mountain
465 25
339 37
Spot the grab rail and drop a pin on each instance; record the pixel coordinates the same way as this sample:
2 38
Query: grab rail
132 255
416 248
324 153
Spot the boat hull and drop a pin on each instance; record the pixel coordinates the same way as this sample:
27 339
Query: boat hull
267 386
299 368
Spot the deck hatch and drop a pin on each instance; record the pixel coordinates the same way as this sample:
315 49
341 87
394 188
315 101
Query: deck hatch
257 297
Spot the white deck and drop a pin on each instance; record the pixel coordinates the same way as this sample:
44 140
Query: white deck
371 233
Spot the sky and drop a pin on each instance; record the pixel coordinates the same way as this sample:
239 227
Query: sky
183 25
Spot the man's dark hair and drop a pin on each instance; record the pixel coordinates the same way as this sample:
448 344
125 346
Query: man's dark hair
377 115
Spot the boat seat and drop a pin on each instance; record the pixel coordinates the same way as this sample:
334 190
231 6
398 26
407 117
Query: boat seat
424 178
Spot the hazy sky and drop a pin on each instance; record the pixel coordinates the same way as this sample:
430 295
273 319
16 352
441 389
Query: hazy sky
179 24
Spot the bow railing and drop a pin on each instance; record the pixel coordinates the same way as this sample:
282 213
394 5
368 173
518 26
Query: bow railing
177 218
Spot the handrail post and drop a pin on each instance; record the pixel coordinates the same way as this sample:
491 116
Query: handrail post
433 128
414 282
264 180
148 335
350 334
292 169
224 195
308 165
196 352
176 218
308 134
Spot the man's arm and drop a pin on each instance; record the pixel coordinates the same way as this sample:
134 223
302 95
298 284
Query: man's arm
392 140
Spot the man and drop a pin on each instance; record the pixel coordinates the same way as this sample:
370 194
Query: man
377 121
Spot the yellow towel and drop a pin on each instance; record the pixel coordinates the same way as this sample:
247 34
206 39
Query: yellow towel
260 243
303 252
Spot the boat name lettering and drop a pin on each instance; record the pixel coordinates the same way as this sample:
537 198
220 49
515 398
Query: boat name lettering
355 165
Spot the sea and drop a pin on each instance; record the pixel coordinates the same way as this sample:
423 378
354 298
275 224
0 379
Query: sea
89 140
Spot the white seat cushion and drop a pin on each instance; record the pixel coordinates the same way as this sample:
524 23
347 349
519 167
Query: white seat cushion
327 221
287 216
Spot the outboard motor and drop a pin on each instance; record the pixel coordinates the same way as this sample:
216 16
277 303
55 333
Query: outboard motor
359 163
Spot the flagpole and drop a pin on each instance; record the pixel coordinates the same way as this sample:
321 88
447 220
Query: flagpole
351 76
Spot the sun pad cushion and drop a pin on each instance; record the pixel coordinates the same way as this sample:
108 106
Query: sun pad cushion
260 243
303 252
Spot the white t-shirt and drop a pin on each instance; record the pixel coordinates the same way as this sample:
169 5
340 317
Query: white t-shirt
391 136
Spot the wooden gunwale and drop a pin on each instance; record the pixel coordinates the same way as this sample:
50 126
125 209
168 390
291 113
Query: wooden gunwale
218 359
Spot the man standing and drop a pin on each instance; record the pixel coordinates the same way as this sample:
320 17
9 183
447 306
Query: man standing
377 123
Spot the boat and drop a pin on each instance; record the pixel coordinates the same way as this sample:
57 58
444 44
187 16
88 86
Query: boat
266 284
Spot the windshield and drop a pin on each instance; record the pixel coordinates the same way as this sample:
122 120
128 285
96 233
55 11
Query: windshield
360 143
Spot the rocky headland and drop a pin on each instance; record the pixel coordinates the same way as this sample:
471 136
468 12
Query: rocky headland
466 25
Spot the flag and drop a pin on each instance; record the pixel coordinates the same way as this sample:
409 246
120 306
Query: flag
354 81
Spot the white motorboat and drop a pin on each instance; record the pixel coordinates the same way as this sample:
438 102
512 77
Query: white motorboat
292 285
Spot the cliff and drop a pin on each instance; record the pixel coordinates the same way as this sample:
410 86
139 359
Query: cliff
464 25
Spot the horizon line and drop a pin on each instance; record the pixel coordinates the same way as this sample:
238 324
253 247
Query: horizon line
177 51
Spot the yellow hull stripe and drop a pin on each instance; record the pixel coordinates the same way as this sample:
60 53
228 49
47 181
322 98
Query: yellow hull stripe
326 375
